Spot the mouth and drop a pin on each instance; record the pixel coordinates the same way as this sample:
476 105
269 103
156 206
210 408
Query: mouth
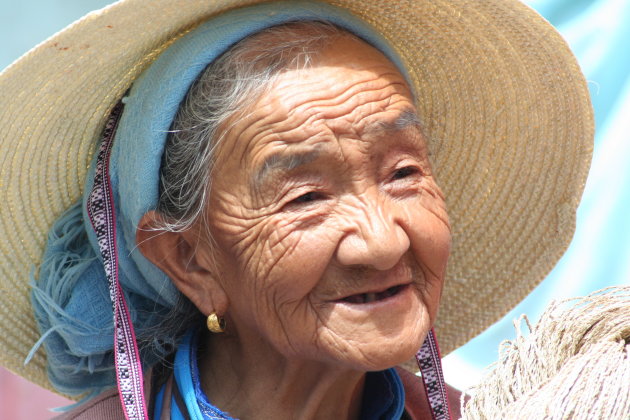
361 298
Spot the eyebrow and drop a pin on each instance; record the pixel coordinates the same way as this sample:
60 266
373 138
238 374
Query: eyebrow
408 118
284 162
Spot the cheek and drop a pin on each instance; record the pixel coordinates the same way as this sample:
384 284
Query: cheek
431 243
271 289
430 225
278 260
426 222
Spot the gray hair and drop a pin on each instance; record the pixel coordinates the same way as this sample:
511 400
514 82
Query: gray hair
224 89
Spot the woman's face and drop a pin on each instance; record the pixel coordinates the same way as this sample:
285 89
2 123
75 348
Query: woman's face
330 234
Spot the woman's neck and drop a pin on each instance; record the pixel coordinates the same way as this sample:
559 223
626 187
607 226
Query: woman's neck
253 381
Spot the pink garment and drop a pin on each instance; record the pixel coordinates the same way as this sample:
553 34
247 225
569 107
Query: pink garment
23 400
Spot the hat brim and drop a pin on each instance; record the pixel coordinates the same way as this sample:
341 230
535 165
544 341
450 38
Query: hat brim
501 98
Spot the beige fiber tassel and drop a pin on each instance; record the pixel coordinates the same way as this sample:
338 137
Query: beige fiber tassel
574 364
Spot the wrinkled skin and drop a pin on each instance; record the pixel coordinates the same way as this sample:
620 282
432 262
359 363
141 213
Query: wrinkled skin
297 242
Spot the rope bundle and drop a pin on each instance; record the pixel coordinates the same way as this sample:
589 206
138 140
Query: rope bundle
574 364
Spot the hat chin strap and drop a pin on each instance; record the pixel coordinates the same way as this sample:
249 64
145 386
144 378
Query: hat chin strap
100 208
430 364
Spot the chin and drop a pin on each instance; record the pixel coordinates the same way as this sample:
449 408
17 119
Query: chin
396 353
378 351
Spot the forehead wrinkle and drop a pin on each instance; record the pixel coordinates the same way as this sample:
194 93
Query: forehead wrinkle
304 116
283 161
327 118
303 113
337 104
312 83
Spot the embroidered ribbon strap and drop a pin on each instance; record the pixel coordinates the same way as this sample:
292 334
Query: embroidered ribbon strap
430 364
100 208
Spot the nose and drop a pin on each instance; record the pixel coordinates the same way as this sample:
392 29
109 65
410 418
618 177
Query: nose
374 237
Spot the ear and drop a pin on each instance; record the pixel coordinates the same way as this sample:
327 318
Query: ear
178 255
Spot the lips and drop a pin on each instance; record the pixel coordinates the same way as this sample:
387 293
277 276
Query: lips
369 297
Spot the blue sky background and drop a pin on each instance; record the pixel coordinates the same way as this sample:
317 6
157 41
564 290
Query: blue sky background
600 253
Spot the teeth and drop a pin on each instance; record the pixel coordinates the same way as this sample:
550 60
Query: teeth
372 297
355 299
391 291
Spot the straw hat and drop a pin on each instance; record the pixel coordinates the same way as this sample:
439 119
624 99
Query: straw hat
500 95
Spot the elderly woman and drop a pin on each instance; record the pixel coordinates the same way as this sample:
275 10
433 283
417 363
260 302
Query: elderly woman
324 238
265 172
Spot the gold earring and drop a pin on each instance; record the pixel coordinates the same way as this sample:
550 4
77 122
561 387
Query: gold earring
215 323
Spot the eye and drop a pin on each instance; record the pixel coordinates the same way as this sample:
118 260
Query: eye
405 172
307 198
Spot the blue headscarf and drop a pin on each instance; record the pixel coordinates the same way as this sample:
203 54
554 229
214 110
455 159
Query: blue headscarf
71 298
